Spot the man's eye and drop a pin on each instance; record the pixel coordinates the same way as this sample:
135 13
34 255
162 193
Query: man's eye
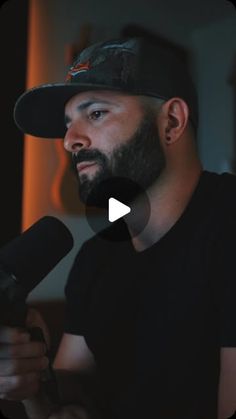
97 115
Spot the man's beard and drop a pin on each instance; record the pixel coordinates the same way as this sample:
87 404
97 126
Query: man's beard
139 159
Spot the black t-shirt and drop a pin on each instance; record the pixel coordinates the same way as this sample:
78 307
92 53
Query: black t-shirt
155 320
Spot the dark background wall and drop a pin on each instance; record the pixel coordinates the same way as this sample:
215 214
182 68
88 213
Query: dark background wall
13 38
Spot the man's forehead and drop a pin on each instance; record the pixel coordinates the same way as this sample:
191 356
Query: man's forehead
98 94
84 99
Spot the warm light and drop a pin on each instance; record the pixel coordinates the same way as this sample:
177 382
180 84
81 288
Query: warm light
40 157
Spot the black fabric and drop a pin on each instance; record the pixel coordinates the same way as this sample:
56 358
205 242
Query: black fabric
155 320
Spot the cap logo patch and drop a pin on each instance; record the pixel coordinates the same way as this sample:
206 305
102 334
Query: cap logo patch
76 69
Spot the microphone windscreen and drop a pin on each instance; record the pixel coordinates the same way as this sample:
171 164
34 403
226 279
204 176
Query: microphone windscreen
33 254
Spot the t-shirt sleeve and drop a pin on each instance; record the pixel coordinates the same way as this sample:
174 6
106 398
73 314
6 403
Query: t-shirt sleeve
77 292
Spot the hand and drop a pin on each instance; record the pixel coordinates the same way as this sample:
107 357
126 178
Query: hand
21 360
70 412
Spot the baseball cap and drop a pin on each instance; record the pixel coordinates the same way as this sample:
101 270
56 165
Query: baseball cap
133 65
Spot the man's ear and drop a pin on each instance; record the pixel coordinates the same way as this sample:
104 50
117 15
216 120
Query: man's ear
175 115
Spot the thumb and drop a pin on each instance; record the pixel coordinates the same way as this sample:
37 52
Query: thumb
35 319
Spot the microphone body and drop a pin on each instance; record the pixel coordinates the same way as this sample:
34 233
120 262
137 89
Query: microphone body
13 308
24 262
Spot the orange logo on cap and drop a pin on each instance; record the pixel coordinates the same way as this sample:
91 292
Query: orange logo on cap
78 68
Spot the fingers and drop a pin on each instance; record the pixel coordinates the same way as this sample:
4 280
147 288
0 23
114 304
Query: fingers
34 319
20 378
22 366
13 335
23 350
19 387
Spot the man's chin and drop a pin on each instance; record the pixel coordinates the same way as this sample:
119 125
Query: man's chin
94 201
94 195
120 188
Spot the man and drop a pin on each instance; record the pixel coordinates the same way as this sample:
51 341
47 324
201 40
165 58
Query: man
149 329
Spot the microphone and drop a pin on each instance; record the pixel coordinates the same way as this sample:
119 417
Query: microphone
25 261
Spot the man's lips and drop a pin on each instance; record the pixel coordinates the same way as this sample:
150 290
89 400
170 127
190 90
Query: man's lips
82 166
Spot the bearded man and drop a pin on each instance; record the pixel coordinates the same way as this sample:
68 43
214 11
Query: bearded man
149 329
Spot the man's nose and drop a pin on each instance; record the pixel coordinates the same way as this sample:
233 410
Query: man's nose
75 139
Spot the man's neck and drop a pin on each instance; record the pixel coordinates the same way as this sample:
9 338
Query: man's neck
168 198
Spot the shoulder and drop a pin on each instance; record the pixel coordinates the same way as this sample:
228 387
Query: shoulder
227 194
223 189
221 179
223 219
229 181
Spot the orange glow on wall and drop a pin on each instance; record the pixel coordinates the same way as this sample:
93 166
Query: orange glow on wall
49 185
39 155
58 178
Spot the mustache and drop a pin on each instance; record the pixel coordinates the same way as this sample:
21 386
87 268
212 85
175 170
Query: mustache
88 155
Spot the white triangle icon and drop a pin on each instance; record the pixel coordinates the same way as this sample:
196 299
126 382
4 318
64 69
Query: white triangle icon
116 209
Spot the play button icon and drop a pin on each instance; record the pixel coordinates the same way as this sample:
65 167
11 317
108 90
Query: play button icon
116 210
112 208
